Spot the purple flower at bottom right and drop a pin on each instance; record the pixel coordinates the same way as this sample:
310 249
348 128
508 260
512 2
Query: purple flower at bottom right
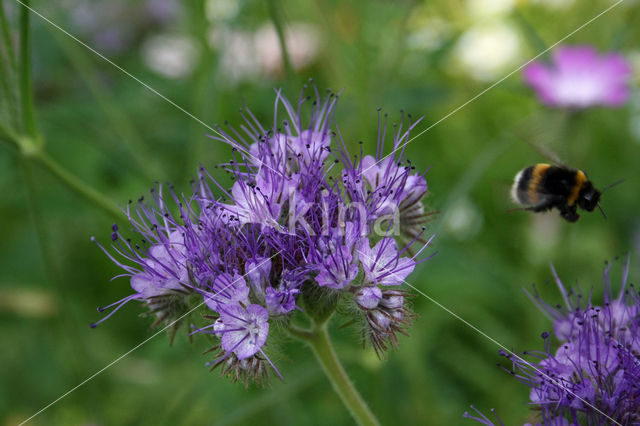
593 377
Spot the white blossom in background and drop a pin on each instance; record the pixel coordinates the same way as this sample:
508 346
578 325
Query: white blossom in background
248 55
488 51
302 42
426 30
554 4
427 34
463 220
221 10
172 56
238 60
480 9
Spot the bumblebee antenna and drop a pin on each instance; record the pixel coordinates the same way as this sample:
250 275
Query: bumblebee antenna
602 211
611 185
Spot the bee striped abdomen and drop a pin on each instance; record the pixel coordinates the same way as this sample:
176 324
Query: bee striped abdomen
538 175
527 184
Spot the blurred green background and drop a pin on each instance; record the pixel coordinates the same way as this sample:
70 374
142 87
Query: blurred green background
209 57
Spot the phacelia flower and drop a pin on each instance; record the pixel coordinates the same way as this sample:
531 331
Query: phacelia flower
383 263
580 77
243 331
593 377
161 277
391 191
338 270
298 230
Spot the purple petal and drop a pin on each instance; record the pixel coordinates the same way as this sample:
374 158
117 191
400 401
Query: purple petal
369 297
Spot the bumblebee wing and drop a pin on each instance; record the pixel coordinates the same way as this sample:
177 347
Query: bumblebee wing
547 153
539 134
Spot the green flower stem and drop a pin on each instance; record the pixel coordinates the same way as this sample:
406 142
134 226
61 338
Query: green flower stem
31 150
77 185
274 12
28 140
318 339
301 333
6 39
7 68
26 90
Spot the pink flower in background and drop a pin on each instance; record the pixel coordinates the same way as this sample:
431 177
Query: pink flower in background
580 77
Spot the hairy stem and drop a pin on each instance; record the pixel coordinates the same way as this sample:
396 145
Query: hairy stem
318 339
77 185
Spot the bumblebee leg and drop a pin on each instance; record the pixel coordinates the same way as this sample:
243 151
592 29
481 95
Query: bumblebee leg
569 213
541 208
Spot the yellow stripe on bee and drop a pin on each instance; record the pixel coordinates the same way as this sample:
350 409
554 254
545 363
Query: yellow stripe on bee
533 191
575 191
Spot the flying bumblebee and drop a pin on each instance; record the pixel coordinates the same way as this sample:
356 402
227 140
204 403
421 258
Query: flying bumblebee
542 187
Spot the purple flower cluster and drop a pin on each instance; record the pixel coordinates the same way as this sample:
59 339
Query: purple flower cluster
304 226
594 376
